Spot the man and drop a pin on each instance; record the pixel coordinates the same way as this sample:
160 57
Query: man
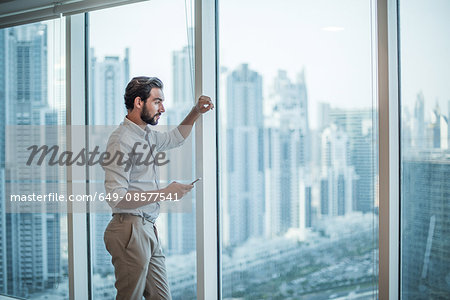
131 237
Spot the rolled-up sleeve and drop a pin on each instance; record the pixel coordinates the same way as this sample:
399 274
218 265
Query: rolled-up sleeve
168 140
117 176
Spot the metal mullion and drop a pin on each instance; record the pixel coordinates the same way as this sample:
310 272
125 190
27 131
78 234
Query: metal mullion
389 147
75 115
205 152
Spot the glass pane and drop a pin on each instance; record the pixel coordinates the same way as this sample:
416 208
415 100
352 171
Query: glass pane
145 39
33 246
298 170
425 159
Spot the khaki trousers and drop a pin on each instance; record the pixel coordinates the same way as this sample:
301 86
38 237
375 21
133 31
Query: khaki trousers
139 264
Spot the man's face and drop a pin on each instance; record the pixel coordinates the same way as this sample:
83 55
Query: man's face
154 107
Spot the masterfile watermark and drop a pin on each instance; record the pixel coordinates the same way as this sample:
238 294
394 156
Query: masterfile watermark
57 197
85 157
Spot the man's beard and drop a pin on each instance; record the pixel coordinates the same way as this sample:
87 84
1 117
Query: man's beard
147 118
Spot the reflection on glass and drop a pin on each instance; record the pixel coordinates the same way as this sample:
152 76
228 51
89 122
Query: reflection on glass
297 151
425 156
164 51
33 246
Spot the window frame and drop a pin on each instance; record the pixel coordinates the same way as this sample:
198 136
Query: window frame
207 232
387 90
77 225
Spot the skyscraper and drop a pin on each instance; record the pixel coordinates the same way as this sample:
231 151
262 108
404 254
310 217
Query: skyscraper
281 180
287 154
289 107
407 125
438 130
108 81
418 123
357 125
245 201
337 175
183 77
425 219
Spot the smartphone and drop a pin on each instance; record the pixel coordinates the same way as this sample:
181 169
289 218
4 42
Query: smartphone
195 181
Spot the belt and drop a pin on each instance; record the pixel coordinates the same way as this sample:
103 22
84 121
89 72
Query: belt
144 216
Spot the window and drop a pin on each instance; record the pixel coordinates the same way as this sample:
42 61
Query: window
425 156
33 246
153 39
297 150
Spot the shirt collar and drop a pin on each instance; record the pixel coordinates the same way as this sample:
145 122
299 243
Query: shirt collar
135 127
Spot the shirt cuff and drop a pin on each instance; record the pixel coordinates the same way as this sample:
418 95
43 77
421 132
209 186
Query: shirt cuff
178 136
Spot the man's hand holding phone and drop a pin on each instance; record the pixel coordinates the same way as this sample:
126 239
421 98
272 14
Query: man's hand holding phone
177 190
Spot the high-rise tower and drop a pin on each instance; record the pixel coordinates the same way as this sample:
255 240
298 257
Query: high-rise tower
245 161
108 82
287 153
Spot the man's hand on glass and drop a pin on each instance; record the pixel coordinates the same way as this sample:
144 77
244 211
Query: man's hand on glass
204 104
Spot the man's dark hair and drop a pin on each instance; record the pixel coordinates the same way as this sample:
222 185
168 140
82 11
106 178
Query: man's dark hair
140 87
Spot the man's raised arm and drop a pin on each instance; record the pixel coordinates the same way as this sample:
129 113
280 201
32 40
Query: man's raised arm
203 105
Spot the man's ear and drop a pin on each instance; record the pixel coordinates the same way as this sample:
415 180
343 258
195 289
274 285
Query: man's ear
138 102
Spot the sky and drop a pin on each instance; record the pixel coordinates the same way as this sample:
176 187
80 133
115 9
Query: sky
331 40
425 53
152 30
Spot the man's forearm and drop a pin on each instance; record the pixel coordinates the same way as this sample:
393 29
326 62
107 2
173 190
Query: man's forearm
185 127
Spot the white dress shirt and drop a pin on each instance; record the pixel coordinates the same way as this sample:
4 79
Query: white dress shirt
143 178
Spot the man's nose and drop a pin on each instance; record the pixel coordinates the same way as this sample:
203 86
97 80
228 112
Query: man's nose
161 108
